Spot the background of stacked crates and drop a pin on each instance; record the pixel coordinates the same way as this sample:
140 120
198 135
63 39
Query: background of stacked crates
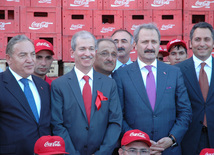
57 21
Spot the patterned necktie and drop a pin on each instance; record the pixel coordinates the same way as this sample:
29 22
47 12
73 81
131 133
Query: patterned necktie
30 98
204 85
150 87
87 97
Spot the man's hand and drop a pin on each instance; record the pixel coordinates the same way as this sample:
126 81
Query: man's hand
155 149
165 142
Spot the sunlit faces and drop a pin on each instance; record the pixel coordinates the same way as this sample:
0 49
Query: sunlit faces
177 55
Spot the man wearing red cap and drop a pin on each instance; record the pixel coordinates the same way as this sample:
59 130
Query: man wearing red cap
135 141
177 51
162 53
207 151
44 58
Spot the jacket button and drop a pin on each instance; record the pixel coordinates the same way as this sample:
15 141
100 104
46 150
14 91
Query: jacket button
86 128
85 146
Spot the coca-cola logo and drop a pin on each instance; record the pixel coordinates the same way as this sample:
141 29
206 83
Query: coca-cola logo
42 44
2 25
37 26
52 144
84 3
166 27
209 153
205 4
134 27
75 27
13 0
158 3
137 135
119 3
107 29
44 1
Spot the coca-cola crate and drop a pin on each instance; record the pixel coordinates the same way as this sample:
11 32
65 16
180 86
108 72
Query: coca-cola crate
190 18
9 19
14 2
76 20
123 4
133 18
107 21
169 22
4 39
55 39
163 4
45 3
133 55
82 4
40 20
199 5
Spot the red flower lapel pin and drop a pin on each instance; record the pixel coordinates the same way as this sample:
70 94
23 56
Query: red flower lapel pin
100 97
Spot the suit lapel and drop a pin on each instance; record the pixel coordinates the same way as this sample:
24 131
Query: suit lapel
211 90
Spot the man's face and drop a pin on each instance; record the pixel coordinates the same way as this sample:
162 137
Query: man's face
22 60
106 57
123 43
177 55
148 45
43 63
134 147
202 43
84 53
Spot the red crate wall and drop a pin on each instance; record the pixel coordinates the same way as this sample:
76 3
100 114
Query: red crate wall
122 4
45 3
14 2
82 4
163 4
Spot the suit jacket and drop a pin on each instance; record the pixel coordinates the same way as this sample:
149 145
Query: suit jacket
69 118
18 127
192 137
172 112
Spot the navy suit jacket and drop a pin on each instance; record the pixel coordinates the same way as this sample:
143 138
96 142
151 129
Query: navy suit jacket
192 137
69 118
172 112
18 127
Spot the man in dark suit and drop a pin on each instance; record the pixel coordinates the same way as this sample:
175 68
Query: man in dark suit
90 123
22 120
201 131
153 95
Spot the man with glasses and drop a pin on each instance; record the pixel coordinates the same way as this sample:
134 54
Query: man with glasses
134 142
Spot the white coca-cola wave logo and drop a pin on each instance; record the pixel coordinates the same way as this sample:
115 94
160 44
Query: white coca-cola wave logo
84 3
137 135
75 27
52 144
37 26
2 25
205 4
209 153
13 0
107 29
166 27
42 44
158 3
44 1
134 27
118 3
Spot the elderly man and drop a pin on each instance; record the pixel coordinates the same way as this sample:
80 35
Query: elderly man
86 111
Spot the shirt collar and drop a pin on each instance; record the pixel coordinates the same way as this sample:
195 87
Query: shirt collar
18 77
198 62
142 64
81 74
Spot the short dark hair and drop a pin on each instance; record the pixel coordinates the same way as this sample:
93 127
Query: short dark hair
178 46
122 30
105 39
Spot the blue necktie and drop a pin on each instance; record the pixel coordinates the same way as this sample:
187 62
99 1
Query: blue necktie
30 98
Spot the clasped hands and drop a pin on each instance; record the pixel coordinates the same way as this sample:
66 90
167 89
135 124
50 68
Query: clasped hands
158 147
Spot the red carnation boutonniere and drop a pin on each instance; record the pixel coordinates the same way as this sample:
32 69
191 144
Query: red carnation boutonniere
100 97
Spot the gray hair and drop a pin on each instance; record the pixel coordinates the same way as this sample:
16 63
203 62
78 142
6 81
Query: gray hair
83 35
105 39
15 40
150 26
122 30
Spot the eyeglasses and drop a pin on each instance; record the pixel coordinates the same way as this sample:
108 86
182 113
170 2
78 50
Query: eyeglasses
107 54
135 151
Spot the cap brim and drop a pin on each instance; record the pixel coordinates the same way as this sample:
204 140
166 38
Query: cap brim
139 139
52 153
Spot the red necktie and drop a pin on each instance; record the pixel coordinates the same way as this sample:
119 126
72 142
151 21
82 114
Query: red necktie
87 97
203 82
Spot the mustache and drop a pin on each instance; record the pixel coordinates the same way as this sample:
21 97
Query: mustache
121 49
109 62
149 51
87 57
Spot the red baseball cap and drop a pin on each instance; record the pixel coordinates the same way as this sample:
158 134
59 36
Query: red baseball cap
47 145
163 51
207 151
135 135
174 42
42 44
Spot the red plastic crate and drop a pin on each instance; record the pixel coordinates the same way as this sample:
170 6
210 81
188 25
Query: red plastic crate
133 55
132 19
40 20
190 18
55 39
76 20
169 22
123 4
14 2
9 19
163 4
107 21
4 39
82 4
199 5
45 3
